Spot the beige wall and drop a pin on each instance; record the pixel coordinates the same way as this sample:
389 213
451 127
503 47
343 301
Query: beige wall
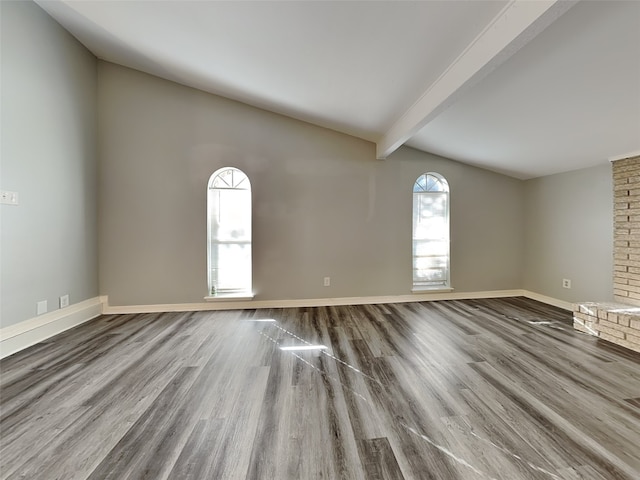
323 206
569 234
49 241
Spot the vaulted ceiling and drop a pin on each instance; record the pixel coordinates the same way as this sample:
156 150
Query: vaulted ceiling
526 88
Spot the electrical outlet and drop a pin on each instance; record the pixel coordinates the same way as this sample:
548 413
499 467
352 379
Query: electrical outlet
327 281
41 307
566 283
64 301
8 198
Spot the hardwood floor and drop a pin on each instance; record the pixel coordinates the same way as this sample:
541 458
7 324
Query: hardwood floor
478 389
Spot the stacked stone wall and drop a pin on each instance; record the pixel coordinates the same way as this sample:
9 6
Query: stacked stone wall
616 323
626 259
620 322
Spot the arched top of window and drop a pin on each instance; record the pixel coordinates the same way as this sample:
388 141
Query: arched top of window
229 178
430 182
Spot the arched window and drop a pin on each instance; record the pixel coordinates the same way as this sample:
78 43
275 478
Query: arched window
430 232
229 233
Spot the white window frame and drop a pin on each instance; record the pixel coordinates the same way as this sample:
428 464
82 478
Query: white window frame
225 281
431 251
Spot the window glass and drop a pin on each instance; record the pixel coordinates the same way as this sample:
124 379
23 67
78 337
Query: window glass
229 232
430 232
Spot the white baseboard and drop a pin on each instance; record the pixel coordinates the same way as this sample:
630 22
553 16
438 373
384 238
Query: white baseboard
548 300
310 302
24 334
29 332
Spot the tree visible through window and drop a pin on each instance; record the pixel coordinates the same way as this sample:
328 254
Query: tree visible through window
229 233
430 232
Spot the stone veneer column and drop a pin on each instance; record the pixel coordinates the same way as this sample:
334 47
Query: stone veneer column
626 263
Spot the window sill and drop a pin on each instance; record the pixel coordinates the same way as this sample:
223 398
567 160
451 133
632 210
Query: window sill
431 290
231 297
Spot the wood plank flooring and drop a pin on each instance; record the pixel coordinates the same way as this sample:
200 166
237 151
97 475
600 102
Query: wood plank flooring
448 390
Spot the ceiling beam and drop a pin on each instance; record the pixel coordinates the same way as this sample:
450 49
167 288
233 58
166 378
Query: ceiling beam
515 26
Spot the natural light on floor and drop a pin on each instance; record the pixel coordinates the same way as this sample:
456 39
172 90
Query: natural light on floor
304 347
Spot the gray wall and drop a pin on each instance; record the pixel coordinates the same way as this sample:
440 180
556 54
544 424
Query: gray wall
48 242
323 206
569 234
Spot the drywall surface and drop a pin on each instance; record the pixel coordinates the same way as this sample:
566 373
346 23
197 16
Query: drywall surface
322 204
49 240
569 235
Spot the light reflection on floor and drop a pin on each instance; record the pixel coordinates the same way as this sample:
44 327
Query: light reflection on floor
308 346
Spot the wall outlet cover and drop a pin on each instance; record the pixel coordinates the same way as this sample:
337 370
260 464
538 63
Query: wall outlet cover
8 198
64 301
41 307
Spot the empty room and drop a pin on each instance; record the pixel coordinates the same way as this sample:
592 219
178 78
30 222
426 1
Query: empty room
320 240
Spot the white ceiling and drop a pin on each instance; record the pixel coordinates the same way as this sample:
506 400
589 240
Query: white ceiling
526 88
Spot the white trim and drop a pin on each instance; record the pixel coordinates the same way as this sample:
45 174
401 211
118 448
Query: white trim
625 156
19 336
240 297
308 302
548 300
14 338
431 290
